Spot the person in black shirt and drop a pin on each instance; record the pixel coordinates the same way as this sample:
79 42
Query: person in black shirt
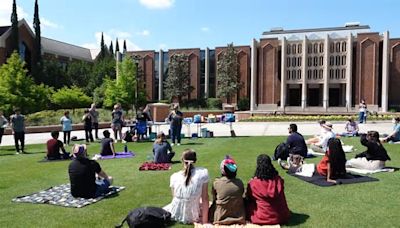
107 144
83 173
295 142
141 123
175 117
87 123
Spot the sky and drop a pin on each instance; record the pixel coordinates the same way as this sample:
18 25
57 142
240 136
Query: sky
169 24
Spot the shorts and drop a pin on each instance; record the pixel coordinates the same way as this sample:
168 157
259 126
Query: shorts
116 126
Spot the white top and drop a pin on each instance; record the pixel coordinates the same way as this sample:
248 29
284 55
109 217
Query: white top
325 138
3 122
185 205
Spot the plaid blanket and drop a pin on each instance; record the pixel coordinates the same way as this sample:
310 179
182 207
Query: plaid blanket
154 166
61 196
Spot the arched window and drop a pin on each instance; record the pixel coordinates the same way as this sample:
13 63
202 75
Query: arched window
288 75
299 61
315 48
288 49
343 60
344 46
321 60
294 48
315 74
315 61
294 61
298 74
337 72
309 48
331 61
337 60
343 73
308 74
288 62
332 47
309 61
321 47
294 74
337 46
321 74
331 73
299 48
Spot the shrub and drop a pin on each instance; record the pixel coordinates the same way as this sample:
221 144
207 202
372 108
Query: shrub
214 103
244 104
71 98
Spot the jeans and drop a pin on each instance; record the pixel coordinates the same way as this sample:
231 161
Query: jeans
88 134
19 136
176 133
102 187
67 137
362 117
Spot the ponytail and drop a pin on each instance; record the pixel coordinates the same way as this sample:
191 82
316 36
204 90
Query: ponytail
188 158
188 172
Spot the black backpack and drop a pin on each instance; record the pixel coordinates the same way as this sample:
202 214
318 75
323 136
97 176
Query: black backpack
281 151
149 217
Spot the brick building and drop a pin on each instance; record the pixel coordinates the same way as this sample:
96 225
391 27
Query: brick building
305 70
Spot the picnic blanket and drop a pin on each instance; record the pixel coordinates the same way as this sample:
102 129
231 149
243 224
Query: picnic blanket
128 154
61 196
247 225
319 180
366 171
154 166
346 149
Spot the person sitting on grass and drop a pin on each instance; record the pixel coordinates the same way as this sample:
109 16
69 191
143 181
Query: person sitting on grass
333 164
266 201
395 135
295 142
107 144
227 190
317 137
162 150
374 157
54 146
351 128
322 145
87 178
189 191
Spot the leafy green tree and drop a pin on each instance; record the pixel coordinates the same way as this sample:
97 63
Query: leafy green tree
123 89
100 69
54 74
78 74
116 46
177 83
17 89
72 98
14 28
37 64
228 73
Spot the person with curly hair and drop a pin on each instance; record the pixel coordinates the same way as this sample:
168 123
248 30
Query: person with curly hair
266 201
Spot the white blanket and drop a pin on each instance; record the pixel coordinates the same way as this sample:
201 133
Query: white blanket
346 149
366 171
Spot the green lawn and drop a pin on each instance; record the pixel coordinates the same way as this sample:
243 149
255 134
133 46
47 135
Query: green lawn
374 204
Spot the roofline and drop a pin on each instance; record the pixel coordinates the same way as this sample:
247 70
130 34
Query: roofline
65 43
7 33
327 29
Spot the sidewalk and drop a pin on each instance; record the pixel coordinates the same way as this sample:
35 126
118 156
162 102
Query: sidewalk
220 129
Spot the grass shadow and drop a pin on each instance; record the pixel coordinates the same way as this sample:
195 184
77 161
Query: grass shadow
193 143
297 219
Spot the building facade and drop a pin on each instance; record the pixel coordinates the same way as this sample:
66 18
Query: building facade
306 70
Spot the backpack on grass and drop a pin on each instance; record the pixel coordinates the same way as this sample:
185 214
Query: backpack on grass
281 151
149 217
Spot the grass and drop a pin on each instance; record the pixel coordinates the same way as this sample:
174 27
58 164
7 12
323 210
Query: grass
374 204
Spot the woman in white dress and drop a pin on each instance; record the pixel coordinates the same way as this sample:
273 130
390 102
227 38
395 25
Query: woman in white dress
189 191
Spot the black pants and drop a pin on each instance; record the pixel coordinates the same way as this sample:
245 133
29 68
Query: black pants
96 129
67 137
88 134
1 134
19 136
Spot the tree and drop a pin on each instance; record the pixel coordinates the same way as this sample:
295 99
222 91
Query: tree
54 74
116 46
17 89
228 73
124 50
103 51
72 98
37 65
111 49
14 28
79 74
177 83
123 89
100 69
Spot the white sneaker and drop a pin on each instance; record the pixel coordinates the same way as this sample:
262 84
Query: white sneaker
178 144
172 144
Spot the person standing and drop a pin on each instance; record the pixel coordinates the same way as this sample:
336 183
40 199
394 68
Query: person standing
18 129
3 125
362 115
175 117
117 121
95 119
66 123
87 123
295 142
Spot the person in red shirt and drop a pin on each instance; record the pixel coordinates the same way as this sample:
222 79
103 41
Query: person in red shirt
266 201
333 164
54 146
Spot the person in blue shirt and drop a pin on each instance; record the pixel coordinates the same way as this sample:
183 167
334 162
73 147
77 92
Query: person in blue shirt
162 150
395 135
295 142
66 123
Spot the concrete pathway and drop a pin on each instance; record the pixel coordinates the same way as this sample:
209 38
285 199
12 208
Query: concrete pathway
220 129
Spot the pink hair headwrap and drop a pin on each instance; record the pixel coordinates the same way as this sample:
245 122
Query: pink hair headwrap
229 163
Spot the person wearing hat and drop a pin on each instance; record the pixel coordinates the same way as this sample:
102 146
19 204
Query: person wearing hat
83 173
107 144
322 145
227 190
175 117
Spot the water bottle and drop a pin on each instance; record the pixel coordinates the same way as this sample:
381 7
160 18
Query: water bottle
126 148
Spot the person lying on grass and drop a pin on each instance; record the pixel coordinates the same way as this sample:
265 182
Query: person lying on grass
189 192
54 146
227 190
87 178
162 150
374 157
333 164
265 195
107 144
